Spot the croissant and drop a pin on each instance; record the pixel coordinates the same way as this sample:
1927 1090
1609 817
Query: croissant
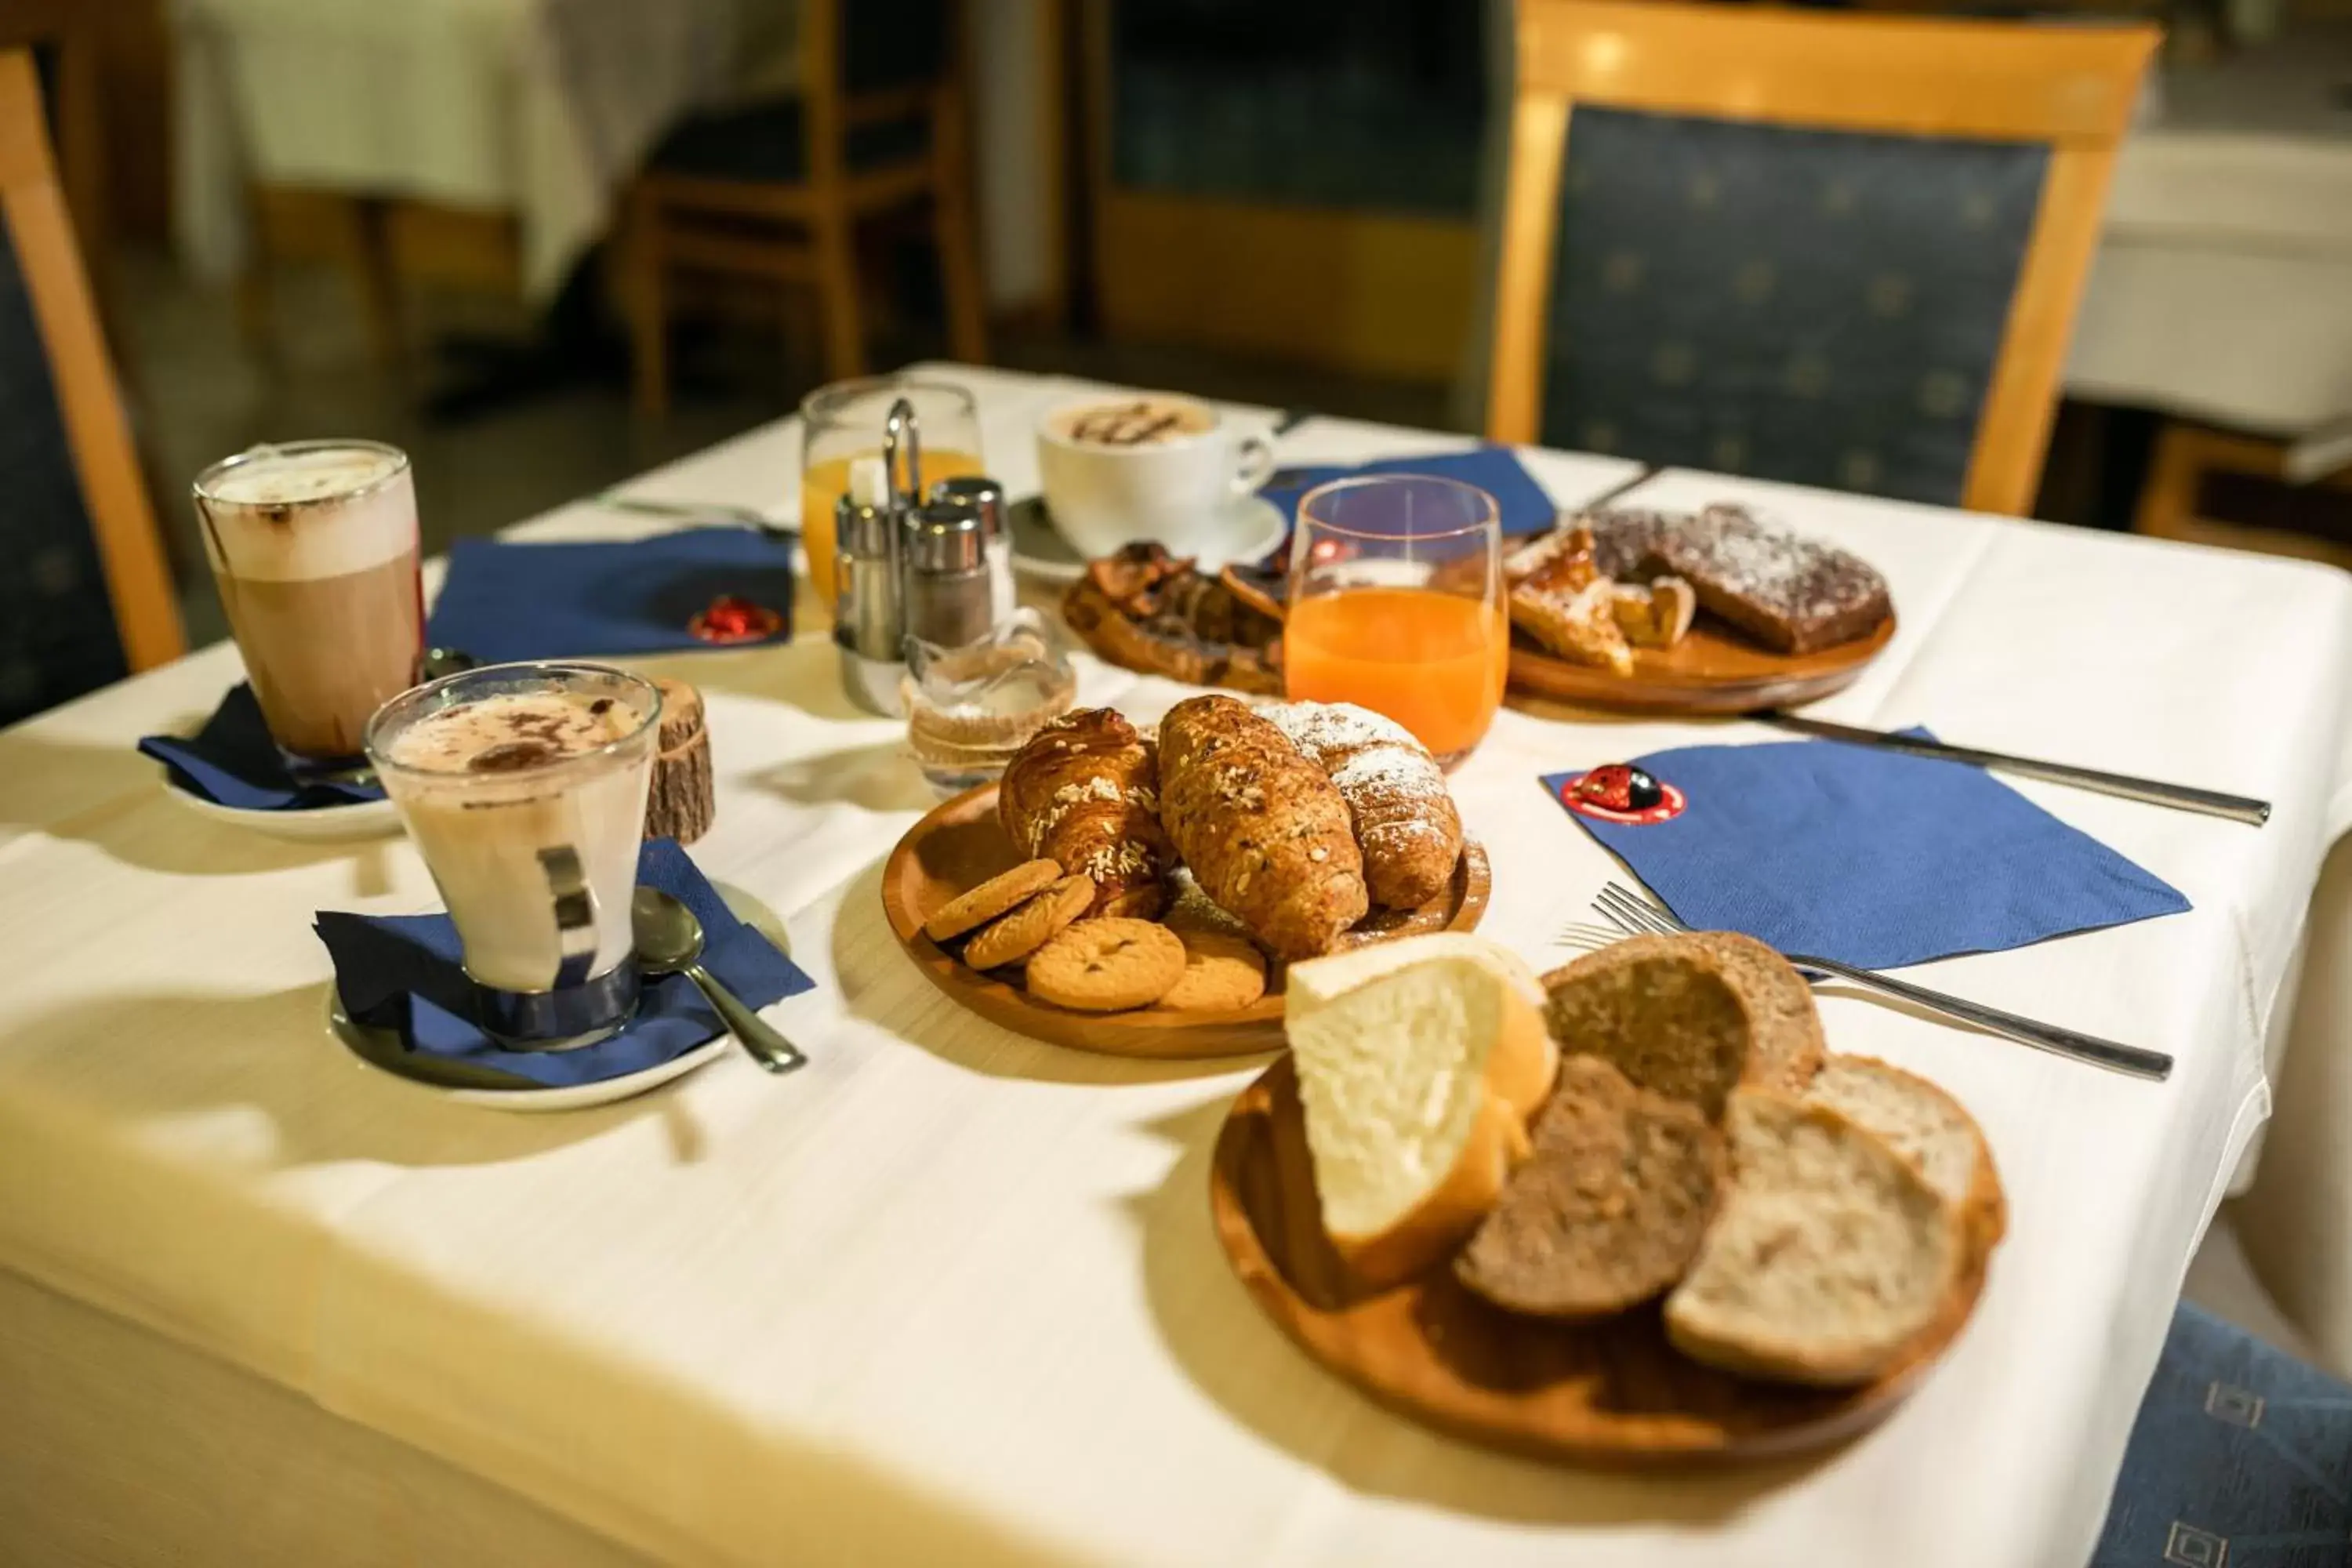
1085 791
1405 821
1264 830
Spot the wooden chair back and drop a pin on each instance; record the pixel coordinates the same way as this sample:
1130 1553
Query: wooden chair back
872 63
2069 89
75 494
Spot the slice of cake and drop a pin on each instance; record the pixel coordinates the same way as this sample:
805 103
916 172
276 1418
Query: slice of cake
1789 593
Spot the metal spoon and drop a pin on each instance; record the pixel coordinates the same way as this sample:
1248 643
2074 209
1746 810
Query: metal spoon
670 942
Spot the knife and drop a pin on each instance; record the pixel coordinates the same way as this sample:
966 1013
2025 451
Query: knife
2211 803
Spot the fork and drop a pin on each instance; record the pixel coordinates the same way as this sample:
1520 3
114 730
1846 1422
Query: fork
1636 916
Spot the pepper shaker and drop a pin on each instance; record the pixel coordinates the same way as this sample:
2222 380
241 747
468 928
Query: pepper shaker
869 615
947 600
997 544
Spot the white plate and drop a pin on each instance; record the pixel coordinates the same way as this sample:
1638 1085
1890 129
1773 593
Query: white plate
371 1046
321 824
1243 531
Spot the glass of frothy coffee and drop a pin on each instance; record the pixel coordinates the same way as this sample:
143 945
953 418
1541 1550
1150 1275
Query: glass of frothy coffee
313 544
524 787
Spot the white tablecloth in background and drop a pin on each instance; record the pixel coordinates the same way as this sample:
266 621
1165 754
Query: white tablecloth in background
952 1294
542 107
2222 289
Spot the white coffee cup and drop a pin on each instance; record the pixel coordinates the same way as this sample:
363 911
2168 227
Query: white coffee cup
1169 487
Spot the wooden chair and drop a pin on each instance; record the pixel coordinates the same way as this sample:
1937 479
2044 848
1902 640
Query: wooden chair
2213 487
84 595
775 190
1833 249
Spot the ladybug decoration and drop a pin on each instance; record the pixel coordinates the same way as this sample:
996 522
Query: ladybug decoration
1619 787
730 620
1619 791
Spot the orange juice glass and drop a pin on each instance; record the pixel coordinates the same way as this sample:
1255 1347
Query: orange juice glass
841 423
1396 605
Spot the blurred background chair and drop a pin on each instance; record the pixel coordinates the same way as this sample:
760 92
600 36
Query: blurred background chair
1831 250
776 189
2239 1455
86 596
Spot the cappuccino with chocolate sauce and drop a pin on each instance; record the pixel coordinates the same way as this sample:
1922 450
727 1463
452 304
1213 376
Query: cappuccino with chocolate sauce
547 758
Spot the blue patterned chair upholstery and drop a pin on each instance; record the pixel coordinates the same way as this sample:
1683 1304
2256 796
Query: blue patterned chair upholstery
2241 1458
1819 307
57 635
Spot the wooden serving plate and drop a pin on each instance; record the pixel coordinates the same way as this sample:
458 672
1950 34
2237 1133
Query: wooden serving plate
961 845
1610 1393
1711 671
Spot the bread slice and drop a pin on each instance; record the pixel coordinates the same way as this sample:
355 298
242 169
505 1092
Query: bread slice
1608 1208
1419 1061
1830 1255
1927 1127
1692 1017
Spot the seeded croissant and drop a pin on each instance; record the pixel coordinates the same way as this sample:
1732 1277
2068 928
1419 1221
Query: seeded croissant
1084 791
1264 829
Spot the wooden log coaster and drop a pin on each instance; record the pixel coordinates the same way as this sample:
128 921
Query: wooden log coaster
681 801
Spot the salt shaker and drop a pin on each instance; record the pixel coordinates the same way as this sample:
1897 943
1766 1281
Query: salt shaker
943 546
988 496
869 621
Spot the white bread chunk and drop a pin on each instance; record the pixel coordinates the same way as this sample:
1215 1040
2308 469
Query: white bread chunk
1830 1255
1419 1062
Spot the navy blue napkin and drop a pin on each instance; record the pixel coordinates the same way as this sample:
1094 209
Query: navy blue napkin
1525 508
403 973
502 602
1874 858
232 762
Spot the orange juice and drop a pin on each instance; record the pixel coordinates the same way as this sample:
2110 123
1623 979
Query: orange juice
1434 662
824 482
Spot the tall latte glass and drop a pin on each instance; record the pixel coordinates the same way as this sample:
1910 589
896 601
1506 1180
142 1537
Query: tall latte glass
313 544
524 787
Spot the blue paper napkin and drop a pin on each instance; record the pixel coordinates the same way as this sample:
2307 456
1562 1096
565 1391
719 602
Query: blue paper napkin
503 602
403 973
1525 508
232 762
1874 858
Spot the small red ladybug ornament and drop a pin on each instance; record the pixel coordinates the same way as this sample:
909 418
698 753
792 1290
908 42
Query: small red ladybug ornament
1619 791
1619 787
731 619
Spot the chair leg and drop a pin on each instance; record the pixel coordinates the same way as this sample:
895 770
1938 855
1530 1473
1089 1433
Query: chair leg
378 276
836 272
644 301
960 275
256 304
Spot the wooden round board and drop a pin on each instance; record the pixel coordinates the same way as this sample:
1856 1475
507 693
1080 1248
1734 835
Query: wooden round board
1611 1392
1711 671
961 845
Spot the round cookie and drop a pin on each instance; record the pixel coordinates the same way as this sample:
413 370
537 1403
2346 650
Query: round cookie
1024 931
1106 965
991 899
1222 971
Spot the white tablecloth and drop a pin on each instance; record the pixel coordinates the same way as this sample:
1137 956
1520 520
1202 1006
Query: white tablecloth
952 1294
541 108
2222 289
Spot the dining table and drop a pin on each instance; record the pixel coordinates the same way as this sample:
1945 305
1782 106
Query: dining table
952 1295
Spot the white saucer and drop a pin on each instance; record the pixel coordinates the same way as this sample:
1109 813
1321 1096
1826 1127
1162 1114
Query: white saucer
1239 532
320 824
381 1050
